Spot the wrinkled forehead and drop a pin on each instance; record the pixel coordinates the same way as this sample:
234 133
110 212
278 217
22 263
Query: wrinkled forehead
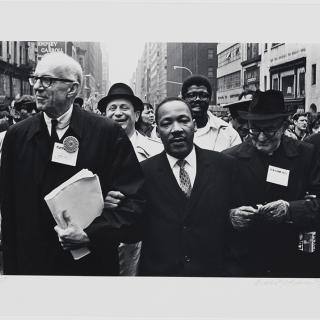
57 70
273 123
195 88
120 102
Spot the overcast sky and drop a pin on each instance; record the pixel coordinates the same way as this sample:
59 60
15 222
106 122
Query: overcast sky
123 59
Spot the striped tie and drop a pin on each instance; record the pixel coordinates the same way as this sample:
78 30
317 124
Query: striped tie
185 183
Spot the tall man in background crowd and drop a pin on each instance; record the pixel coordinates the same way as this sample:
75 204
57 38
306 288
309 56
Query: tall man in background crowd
212 133
279 182
31 168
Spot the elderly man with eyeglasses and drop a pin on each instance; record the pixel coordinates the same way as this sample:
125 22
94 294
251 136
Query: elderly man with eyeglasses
45 150
276 229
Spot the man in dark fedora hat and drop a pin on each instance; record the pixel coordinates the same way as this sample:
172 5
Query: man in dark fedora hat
275 229
122 106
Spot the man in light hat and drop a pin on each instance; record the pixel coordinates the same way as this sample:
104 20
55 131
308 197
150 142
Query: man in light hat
122 106
212 132
279 181
42 152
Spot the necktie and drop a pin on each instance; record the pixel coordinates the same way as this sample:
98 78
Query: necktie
185 183
54 135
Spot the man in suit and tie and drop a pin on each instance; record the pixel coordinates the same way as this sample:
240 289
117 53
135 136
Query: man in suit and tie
189 193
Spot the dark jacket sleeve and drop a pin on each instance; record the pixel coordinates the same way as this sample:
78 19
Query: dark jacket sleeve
126 176
306 212
8 224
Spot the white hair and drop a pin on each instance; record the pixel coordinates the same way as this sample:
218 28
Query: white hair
65 63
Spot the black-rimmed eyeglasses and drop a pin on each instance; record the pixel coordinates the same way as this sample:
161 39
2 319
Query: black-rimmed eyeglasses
268 132
46 81
194 95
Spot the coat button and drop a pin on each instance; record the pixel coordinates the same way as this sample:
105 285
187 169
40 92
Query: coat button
186 228
187 259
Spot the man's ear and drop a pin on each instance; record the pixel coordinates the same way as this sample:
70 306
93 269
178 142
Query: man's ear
73 90
157 131
137 113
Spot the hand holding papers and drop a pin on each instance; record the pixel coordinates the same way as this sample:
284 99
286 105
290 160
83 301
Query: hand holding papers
81 198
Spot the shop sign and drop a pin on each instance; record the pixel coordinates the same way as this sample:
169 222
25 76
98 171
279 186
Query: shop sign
50 46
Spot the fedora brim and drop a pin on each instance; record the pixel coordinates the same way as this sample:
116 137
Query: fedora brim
238 104
262 116
102 104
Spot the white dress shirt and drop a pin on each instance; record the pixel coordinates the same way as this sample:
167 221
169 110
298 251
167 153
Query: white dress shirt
190 167
63 122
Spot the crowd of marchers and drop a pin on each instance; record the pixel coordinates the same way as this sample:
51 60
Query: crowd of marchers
185 192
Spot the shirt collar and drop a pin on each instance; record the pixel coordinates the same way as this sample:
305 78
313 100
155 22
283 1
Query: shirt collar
63 120
133 138
190 159
214 123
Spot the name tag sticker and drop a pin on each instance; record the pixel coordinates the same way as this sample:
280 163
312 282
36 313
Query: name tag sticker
278 176
60 155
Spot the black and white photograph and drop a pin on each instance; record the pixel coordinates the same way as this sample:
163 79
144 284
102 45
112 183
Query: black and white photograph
159 161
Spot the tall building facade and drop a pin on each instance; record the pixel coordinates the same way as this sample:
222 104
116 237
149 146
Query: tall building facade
164 66
292 68
185 59
17 60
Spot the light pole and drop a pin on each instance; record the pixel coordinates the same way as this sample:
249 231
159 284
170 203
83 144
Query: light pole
180 67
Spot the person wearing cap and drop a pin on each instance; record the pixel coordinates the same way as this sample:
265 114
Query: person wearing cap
239 124
276 227
23 108
122 106
212 133
42 152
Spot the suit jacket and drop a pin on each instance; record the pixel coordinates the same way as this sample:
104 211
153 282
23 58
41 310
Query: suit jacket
30 244
269 249
186 237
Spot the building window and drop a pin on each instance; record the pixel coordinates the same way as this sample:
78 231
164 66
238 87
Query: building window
265 83
275 82
266 47
288 84
1 52
229 81
20 55
14 51
252 50
301 82
229 55
314 74
8 51
210 72
210 54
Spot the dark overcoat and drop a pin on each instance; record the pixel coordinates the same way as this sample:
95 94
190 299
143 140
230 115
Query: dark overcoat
30 244
186 237
269 249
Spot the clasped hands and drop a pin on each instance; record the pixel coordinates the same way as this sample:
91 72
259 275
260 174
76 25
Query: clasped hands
72 236
274 212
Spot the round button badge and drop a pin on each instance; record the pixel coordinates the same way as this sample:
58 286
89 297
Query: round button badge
71 144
